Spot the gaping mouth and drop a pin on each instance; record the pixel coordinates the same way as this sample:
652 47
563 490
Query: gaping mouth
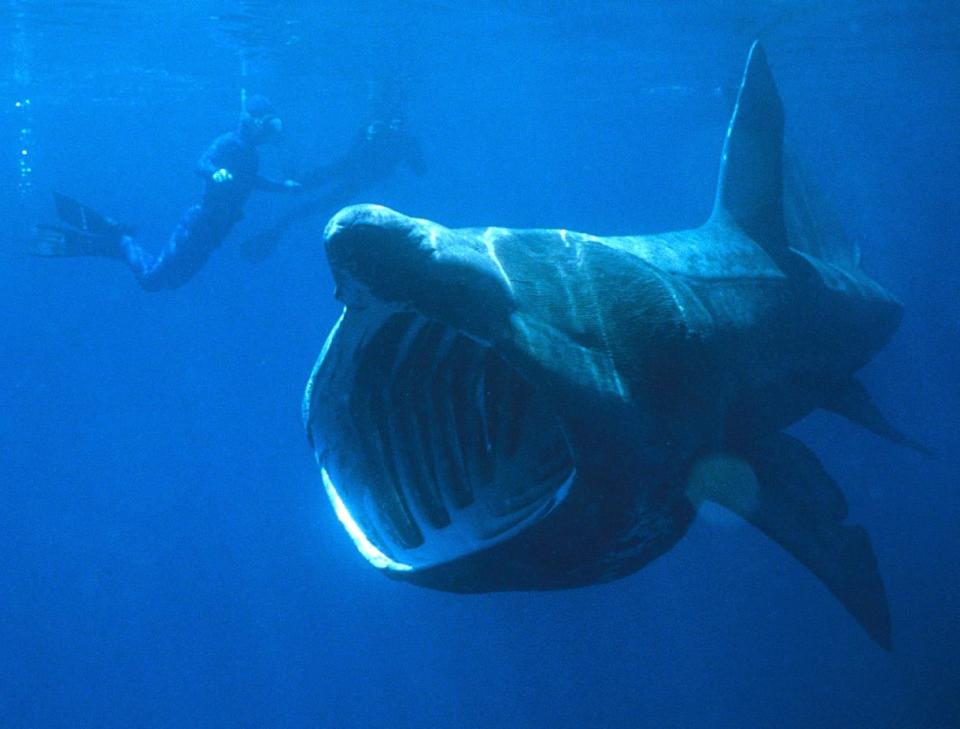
431 446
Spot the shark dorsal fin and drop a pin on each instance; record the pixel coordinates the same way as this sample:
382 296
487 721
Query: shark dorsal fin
813 225
750 189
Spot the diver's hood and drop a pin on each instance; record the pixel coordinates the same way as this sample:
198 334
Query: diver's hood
259 129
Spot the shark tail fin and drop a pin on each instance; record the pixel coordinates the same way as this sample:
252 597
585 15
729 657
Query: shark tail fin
750 188
780 487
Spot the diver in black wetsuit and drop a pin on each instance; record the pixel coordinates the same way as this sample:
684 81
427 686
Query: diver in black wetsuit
376 152
230 168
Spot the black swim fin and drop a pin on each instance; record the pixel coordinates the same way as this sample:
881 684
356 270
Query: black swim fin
53 241
81 217
86 233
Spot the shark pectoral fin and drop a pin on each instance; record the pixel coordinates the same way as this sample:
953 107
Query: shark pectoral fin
781 488
852 401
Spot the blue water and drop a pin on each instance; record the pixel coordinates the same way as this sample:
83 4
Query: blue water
167 556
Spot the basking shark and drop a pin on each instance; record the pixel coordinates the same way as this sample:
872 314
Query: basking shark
503 409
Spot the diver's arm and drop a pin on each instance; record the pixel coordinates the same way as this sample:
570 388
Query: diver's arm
265 183
210 162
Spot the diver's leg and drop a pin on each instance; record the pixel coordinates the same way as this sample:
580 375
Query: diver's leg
146 266
54 241
200 230
197 234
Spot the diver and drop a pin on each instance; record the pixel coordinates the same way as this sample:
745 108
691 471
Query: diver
377 151
230 168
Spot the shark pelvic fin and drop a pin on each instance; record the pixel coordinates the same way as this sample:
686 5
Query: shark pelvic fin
780 487
750 188
852 401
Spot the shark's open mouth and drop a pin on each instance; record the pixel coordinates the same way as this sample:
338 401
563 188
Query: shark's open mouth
431 446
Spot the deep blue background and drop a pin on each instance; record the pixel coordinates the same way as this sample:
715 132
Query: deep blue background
167 557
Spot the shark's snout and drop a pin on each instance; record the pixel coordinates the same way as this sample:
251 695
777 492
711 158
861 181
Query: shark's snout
373 251
380 256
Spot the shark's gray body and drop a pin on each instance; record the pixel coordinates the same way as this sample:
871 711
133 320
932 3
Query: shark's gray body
536 409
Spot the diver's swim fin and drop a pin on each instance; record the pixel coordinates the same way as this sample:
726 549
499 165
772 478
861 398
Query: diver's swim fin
86 219
81 217
86 233
53 241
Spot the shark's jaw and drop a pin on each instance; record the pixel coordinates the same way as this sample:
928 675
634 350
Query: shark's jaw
431 447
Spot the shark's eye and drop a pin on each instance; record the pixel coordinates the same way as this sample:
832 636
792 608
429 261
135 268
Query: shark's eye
440 448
